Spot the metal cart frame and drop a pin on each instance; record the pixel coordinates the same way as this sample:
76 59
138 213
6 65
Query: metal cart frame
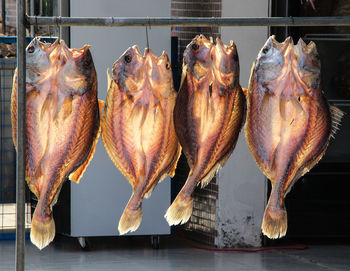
24 21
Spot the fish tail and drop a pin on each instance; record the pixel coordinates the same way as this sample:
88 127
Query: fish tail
274 223
180 210
131 218
43 228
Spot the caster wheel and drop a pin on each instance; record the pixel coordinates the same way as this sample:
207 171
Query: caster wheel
155 240
84 243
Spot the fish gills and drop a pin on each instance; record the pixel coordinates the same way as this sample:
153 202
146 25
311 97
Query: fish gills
137 126
62 123
289 122
209 114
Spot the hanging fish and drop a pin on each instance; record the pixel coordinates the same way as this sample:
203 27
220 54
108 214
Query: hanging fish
62 124
209 114
289 122
137 126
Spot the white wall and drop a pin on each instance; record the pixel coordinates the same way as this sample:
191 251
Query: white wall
99 200
242 187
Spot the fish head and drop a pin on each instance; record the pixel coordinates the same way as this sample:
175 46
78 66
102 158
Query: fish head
74 67
159 72
197 56
272 60
129 70
225 63
308 65
37 59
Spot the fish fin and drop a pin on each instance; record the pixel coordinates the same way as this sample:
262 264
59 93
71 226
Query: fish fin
245 91
14 109
109 79
42 230
171 172
210 175
38 172
298 106
180 210
183 75
67 106
130 219
150 190
282 108
153 186
76 175
274 223
265 100
101 105
336 116
176 160
46 105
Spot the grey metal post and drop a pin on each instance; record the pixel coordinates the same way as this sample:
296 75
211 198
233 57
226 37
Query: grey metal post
31 12
3 15
64 11
21 109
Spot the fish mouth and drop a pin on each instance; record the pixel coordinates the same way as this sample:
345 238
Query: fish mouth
307 48
151 59
136 52
222 49
283 47
225 62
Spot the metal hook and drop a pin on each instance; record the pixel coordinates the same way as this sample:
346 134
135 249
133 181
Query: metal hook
149 25
58 28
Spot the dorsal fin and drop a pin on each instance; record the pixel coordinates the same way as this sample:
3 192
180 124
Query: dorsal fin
183 75
336 116
109 79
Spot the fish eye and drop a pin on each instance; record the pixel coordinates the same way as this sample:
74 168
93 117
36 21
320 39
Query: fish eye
195 46
265 49
127 58
31 49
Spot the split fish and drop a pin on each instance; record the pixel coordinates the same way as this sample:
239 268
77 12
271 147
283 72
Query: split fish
62 124
137 126
289 121
208 115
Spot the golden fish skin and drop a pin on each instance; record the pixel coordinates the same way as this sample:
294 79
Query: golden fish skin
289 122
62 124
137 126
209 114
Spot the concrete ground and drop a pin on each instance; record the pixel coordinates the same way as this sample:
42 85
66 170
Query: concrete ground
135 253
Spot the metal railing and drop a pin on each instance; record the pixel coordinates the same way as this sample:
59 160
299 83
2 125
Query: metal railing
188 21
23 21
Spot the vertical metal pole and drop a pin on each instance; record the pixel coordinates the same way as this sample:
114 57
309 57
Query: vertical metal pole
21 109
64 11
31 12
3 15
60 9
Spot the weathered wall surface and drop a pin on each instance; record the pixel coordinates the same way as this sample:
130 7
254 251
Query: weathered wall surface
242 189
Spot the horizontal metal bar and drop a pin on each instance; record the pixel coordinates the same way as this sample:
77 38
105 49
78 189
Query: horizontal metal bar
13 39
188 21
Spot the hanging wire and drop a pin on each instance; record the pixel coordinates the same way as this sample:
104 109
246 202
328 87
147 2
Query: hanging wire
147 41
148 26
58 29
